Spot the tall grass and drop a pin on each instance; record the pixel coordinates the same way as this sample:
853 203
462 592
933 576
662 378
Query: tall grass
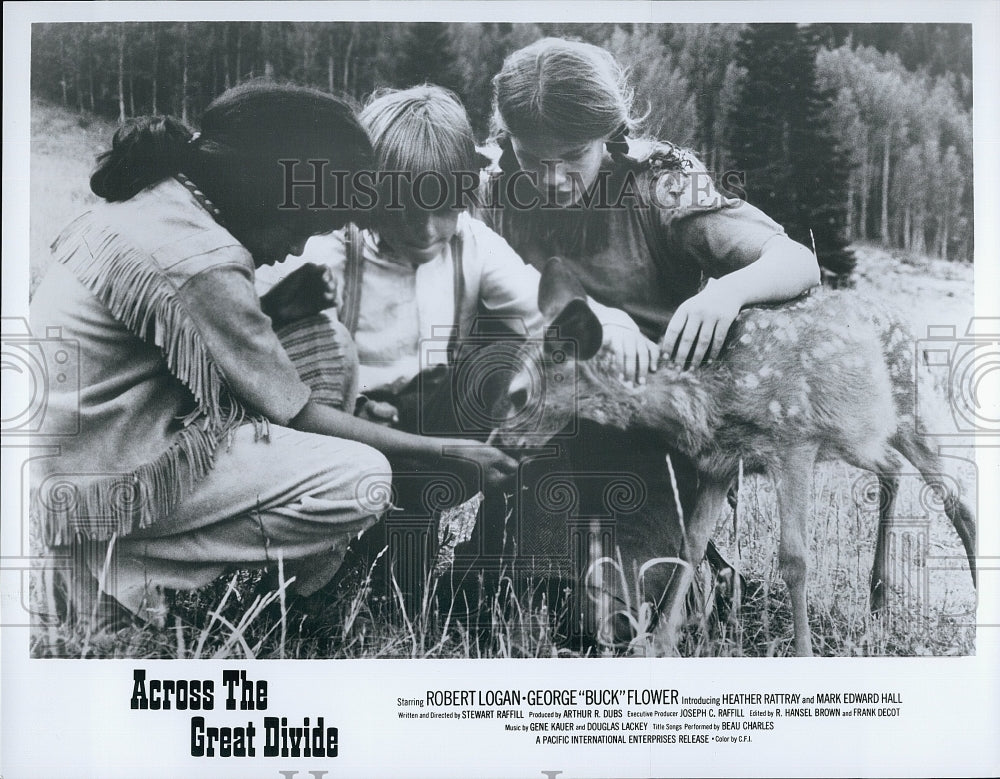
364 613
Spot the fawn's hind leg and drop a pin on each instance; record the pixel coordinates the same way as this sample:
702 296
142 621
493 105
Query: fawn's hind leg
697 530
794 489
888 485
916 449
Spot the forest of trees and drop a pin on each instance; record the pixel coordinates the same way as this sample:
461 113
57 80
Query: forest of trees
844 132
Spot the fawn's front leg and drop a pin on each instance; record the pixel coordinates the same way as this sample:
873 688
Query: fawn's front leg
698 529
794 484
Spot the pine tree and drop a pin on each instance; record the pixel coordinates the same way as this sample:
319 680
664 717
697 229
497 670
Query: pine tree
780 136
427 56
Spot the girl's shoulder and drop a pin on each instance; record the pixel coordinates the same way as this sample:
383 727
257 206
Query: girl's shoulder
679 181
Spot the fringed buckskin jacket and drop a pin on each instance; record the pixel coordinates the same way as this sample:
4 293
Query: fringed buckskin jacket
155 303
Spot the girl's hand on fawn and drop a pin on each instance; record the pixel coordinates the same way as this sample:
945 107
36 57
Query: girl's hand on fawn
304 292
698 328
635 354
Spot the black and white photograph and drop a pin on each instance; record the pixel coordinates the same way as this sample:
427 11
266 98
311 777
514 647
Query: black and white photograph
493 389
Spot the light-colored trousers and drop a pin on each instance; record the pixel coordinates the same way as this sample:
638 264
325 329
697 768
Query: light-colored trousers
299 496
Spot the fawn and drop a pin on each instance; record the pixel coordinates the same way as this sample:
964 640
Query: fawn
820 377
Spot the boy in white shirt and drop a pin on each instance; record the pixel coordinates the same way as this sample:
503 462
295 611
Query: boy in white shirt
424 274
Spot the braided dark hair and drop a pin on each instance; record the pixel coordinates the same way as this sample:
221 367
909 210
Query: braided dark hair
236 159
143 151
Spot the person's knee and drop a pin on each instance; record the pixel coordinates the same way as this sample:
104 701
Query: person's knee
332 479
343 344
373 487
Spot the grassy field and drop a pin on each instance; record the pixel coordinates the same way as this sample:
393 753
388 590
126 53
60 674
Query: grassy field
246 615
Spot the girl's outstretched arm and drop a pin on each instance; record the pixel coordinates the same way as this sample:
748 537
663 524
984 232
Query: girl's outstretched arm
698 328
784 271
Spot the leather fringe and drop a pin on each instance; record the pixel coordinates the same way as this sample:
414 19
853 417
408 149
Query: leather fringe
139 295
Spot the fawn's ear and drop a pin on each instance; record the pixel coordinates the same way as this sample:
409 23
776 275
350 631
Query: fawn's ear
577 323
557 288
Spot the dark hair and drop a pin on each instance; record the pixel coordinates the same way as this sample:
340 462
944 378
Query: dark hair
236 158
143 151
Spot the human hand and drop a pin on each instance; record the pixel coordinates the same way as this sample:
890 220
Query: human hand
379 412
699 327
304 292
634 354
495 466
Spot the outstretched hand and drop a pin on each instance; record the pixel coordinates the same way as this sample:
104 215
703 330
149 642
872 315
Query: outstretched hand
495 466
304 292
635 355
699 327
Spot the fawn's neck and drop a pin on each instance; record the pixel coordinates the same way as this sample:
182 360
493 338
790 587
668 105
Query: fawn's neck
674 405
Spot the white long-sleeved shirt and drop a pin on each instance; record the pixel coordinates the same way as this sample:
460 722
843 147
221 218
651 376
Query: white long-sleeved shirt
407 311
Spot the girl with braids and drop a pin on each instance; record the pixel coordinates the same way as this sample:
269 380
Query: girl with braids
640 221
645 230
197 448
